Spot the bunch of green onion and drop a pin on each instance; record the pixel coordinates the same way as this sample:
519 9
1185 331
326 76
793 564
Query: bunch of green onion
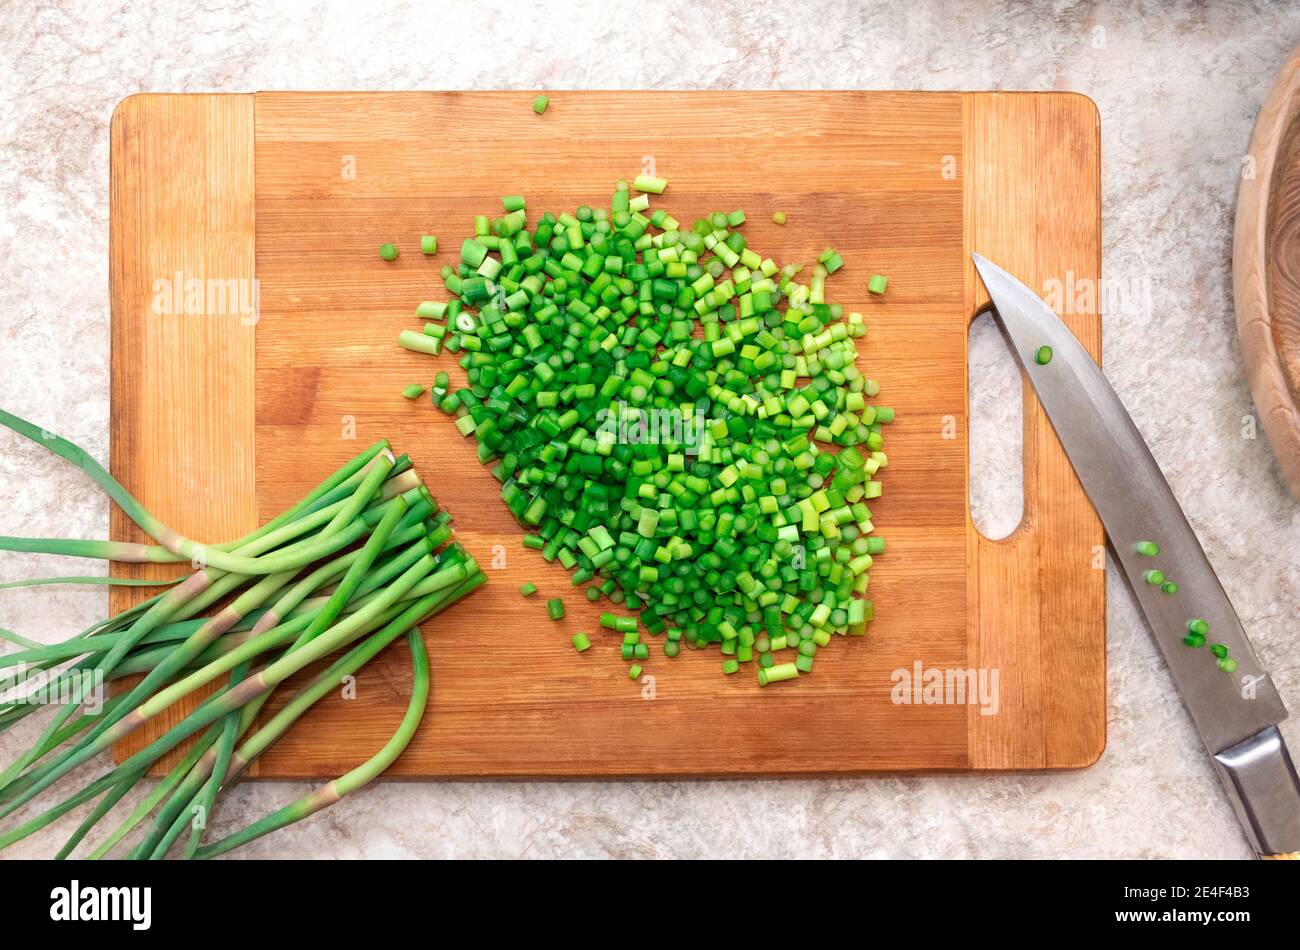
679 420
358 563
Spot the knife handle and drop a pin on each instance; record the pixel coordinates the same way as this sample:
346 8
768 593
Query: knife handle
1264 789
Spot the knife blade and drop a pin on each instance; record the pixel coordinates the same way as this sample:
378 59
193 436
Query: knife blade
1235 713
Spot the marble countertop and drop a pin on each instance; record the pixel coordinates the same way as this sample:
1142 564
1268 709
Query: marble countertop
1177 84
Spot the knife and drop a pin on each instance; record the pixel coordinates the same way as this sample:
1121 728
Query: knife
1236 713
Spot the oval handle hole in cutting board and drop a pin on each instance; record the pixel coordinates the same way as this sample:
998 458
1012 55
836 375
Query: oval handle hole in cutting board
995 407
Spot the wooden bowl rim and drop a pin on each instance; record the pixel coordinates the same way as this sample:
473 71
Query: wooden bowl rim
1275 138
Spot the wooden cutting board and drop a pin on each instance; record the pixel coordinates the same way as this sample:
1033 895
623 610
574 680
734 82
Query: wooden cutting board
221 421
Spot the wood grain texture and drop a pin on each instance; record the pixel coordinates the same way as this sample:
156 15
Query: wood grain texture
182 391
1037 597
885 177
1266 268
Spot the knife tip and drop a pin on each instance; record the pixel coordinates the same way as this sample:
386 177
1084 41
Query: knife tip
987 270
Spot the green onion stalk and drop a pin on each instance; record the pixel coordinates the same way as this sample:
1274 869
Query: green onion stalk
332 792
363 559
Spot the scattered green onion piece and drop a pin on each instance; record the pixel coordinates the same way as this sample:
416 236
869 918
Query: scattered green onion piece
388 252
1198 626
831 260
581 642
778 673
413 391
555 608
1043 356
527 589
648 183
1219 650
540 104
419 342
877 283
428 244
778 217
1147 548
1154 577
1169 587
634 671
1194 640
1228 664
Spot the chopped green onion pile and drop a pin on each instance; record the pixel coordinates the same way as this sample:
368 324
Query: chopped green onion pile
352 567
679 419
